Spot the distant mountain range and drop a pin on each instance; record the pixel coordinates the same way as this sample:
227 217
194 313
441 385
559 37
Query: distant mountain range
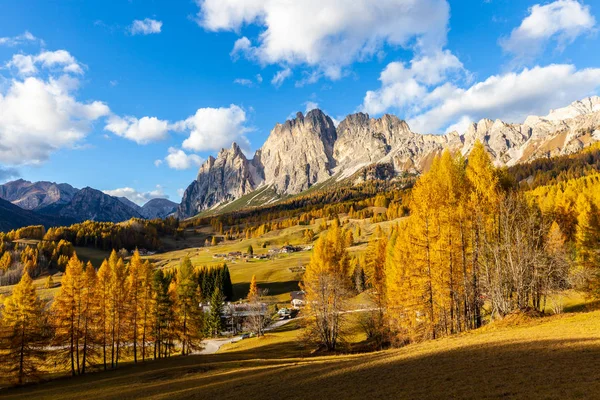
303 152
48 203
310 150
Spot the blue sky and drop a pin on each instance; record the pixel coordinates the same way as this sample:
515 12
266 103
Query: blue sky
131 96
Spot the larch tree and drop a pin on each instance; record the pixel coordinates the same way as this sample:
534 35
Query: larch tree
22 331
90 313
68 315
103 304
326 283
135 283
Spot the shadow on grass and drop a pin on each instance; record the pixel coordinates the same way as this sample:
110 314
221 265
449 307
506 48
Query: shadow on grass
550 369
583 307
240 290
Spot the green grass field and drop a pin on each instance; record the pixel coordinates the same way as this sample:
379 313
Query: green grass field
519 358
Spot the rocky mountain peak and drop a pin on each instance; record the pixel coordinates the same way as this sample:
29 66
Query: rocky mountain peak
309 149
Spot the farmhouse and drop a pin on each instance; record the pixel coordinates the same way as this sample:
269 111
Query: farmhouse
298 299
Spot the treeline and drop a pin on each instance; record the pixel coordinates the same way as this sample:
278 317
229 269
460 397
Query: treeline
36 259
301 209
123 311
550 171
471 250
132 234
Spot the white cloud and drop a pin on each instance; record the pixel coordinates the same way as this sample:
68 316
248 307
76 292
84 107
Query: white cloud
38 117
561 21
214 128
140 198
23 38
327 35
180 192
249 82
510 97
405 86
60 60
244 82
146 26
310 105
281 76
141 131
158 163
178 159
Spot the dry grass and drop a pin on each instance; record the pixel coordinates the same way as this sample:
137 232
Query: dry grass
553 358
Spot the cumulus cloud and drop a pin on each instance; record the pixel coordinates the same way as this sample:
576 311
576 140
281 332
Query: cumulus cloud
60 60
140 198
38 117
147 26
405 85
327 35
561 21
510 97
141 131
214 128
178 159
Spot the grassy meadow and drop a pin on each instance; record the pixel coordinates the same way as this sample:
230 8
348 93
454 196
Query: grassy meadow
519 357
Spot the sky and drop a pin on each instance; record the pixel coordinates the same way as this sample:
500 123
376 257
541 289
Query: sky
131 96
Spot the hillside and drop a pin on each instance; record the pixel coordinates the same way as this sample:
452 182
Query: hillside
13 217
519 358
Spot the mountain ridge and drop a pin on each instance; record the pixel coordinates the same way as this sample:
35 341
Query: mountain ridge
310 149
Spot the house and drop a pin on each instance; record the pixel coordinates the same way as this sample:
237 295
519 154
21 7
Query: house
235 315
298 299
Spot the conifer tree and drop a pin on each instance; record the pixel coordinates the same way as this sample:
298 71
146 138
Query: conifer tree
326 284
136 289
189 315
89 316
67 315
253 292
22 327
214 323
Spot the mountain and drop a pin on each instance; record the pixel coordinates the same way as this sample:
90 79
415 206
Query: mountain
92 204
14 217
310 149
36 195
158 208
130 204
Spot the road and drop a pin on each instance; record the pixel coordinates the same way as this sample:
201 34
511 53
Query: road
211 346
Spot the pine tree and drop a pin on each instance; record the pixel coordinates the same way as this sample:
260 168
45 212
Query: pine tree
189 316
22 329
214 323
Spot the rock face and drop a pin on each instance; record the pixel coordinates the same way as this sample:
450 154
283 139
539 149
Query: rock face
158 208
309 149
92 204
36 195
298 153
220 179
